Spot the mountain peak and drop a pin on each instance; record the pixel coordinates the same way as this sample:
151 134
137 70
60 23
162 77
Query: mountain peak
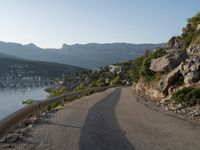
32 45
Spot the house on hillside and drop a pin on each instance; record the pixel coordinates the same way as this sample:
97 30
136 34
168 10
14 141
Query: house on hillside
115 69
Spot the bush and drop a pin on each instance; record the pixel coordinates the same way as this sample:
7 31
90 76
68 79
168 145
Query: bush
28 102
195 20
144 71
189 32
187 96
92 85
116 80
134 72
80 87
193 97
140 67
101 82
57 92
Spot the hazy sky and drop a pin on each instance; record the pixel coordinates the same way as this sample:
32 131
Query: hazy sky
50 23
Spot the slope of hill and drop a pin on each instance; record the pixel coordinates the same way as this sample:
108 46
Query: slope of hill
91 55
14 68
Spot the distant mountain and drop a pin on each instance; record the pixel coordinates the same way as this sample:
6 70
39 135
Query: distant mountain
11 66
91 55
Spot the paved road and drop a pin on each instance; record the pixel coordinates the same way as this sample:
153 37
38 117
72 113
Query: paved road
113 120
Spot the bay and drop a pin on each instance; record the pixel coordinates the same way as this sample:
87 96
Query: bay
11 100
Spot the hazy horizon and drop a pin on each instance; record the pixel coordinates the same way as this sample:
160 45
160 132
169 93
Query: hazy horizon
23 44
50 24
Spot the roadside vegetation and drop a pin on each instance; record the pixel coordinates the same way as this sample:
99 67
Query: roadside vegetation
187 96
141 68
191 35
28 102
57 92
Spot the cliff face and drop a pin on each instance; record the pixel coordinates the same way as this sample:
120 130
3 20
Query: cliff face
179 67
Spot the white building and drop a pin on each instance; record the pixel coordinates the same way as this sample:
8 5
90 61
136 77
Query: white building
115 69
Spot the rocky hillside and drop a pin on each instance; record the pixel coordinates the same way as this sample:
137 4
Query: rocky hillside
172 75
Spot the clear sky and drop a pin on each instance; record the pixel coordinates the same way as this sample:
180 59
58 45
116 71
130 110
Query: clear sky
50 23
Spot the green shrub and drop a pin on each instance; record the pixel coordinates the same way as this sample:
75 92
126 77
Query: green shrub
92 85
57 92
80 87
140 67
101 82
144 71
193 97
28 102
187 96
116 80
195 20
189 33
134 71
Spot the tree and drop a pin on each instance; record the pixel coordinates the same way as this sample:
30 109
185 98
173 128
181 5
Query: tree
58 92
116 80
79 87
101 82
92 85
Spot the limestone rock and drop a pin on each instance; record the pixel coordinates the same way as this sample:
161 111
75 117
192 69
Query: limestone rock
191 77
195 50
174 42
168 62
175 77
11 138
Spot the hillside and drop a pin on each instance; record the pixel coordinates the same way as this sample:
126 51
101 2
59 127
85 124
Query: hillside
14 67
172 75
91 55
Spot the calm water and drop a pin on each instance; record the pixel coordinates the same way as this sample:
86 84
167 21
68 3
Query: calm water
10 100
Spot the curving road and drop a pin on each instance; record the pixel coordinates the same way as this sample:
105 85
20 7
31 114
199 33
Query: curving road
115 119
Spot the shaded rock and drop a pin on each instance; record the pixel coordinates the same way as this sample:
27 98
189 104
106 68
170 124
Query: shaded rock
11 138
168 62
191 77
31 120
3 140
173 78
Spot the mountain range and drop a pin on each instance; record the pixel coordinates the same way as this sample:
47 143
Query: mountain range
90 55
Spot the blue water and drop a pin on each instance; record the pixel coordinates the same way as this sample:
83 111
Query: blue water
11 100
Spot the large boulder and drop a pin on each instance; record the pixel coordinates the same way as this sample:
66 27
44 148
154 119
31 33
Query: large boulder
168 62
191 77
186 74
191 70
172 79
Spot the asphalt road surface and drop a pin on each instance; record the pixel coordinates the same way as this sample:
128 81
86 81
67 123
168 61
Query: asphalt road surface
112 120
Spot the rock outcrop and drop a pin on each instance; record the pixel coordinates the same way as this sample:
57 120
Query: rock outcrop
168 62
174 42
195 50
186 74
172 79
145 88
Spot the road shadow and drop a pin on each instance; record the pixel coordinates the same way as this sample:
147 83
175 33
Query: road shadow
101 130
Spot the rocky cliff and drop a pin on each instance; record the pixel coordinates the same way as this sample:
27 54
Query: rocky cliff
178 68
